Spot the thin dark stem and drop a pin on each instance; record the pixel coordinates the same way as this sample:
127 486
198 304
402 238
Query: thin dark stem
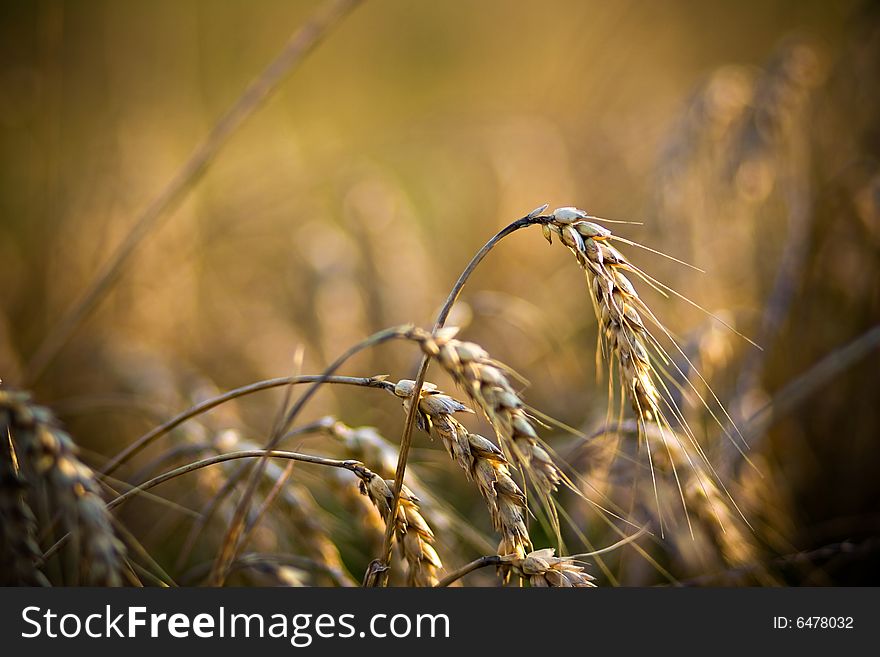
207 405
298 46
377 573
482 562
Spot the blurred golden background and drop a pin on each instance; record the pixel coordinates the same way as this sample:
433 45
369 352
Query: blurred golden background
744 135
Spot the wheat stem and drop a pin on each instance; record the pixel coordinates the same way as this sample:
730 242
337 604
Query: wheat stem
476 564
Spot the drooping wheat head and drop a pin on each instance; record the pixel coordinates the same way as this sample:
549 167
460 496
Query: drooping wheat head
626 341
617 305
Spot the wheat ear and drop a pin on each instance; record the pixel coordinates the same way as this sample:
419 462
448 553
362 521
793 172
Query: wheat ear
49 458
413 533
481 460
616 304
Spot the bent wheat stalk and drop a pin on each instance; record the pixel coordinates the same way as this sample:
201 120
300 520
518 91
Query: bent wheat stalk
262 454
227 552
378 569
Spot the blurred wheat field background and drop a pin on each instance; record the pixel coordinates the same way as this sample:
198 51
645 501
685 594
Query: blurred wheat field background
743 136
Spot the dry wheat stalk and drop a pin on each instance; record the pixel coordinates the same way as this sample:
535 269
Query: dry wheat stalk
48 458
543 569
481 460
486 382
413 533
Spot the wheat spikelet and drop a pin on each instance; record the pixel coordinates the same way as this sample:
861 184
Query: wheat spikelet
49 458
487 384
542 569
481 460
413 533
